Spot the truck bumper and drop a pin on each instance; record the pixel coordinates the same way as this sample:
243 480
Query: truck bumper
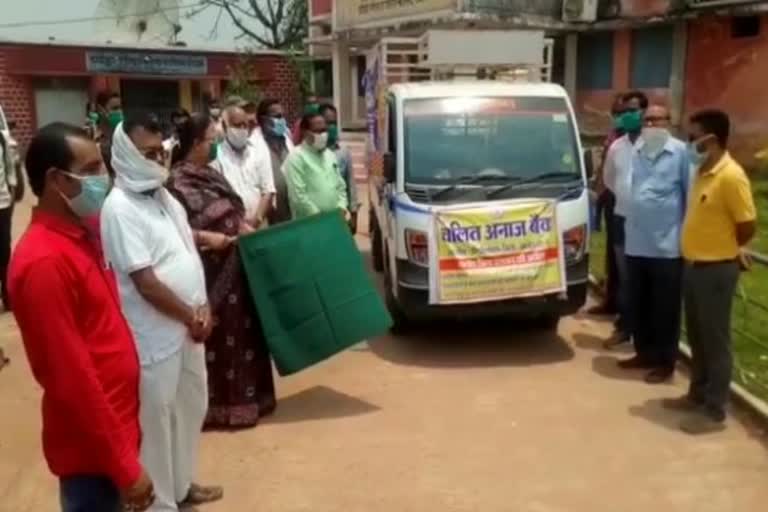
413 299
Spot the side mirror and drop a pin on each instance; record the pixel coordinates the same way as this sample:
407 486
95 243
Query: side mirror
589 163
390 168
12 125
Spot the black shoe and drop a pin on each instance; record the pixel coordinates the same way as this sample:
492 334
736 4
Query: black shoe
635 363
618 339
681 404
702 424
660 375
601 310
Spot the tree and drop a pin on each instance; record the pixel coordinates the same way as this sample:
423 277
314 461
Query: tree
242 80
275 24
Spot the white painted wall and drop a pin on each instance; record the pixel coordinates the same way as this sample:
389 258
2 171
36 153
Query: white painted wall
195 32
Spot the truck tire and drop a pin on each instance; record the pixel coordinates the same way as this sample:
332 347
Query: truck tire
377 244
548 321
400 322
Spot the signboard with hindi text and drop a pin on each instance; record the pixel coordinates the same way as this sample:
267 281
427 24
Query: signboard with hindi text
138 63
351 13
496 253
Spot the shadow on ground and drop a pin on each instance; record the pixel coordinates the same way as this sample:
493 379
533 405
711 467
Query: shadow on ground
595 343
474 344
608 367
319 403
465 344
653 412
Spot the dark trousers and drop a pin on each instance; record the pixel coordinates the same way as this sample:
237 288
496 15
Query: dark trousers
89 494
6 214
708 293
657 287
606 203
623 291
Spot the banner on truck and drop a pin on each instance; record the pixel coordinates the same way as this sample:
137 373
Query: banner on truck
351 13
487 254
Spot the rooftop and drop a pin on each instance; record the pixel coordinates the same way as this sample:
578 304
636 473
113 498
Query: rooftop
475 88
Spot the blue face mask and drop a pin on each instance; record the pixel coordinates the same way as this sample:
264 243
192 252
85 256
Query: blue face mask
696 157
93 192
279 126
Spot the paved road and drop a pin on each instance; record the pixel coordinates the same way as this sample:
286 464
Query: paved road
487 418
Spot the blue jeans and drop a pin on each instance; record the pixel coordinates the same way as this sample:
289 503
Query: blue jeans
89 494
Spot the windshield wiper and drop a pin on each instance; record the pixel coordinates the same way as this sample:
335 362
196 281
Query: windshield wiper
468 180
549 176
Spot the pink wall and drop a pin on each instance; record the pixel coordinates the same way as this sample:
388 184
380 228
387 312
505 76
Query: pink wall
730 74
643 8
320 7
594 106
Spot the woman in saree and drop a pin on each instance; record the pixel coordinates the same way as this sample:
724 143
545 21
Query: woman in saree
240 385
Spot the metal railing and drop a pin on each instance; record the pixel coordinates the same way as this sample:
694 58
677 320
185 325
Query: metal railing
750 327
749 320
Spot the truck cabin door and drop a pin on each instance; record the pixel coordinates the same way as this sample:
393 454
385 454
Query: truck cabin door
390 173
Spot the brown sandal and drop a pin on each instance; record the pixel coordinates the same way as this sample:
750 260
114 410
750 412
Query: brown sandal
199 495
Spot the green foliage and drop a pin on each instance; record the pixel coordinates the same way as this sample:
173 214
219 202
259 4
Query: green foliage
242 80
304 69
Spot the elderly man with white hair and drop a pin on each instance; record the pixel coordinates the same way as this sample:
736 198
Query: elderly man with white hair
149 244
246 167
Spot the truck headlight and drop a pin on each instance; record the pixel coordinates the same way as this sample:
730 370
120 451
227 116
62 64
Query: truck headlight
575 244
417 247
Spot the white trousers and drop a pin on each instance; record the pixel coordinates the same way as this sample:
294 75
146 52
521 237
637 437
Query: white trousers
174 399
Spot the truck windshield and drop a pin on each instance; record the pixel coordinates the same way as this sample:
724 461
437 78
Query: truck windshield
450 139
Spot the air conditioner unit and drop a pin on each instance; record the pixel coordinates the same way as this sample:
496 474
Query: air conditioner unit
701 4
580 10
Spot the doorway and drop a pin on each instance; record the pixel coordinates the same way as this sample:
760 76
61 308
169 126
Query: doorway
159 97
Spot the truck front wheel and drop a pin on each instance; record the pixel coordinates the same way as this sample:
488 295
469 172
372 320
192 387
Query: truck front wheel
377 244
400 322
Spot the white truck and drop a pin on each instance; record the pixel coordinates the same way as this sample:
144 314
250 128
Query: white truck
477 183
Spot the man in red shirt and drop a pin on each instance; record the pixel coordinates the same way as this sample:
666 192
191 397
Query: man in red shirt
78 344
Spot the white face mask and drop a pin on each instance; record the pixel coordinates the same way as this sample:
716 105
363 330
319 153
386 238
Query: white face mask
238 137
320 141
654 140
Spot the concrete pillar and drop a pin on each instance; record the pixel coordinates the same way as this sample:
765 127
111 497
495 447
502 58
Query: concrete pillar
571 64
185 95
353 112
677 75
622 58
113 83
341 71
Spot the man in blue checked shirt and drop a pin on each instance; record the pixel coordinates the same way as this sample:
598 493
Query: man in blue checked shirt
660 181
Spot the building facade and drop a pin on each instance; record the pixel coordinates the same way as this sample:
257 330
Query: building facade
686 54
41 83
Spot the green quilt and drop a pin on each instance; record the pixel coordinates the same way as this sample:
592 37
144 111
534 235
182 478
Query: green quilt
313 294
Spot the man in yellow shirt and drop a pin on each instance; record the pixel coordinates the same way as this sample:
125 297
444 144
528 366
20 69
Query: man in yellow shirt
721 219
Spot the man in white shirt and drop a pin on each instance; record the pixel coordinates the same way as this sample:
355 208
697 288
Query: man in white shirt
617 176
246 167
148 242
7 198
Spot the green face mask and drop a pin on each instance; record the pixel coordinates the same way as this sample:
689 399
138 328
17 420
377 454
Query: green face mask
333 135
632 121
213 153
93 117
312 108
114 118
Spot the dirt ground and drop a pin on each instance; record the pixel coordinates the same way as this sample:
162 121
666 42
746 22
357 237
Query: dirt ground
490 417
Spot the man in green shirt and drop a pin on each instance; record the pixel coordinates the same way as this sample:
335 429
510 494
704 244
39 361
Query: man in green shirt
312 173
